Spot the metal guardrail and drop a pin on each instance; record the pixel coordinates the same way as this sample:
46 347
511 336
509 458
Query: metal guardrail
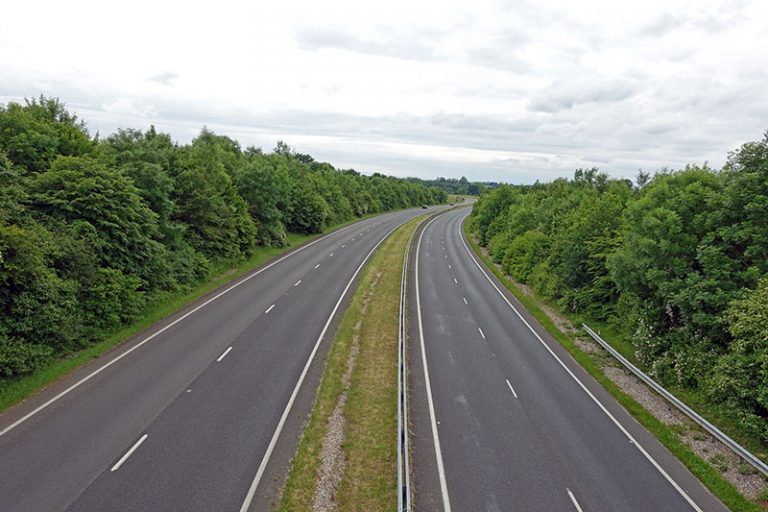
709 427
403 448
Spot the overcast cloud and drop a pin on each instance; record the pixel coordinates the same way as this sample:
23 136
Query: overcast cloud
502 91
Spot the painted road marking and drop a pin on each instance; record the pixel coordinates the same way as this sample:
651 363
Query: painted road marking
270 308
129 453
455 281
317 266
297 283
511 388
222 356
464 299
481 332
573 500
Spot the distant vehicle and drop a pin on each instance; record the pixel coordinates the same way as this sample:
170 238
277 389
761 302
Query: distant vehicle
453 204
424 207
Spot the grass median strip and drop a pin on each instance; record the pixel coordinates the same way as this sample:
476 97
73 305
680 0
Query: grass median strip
347 457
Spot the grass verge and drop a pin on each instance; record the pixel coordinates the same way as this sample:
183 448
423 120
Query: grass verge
369 479
15 390
704 471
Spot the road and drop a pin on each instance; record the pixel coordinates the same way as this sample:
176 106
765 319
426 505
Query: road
184 416
504 419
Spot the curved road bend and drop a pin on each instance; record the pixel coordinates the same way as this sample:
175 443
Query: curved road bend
184 421
515 428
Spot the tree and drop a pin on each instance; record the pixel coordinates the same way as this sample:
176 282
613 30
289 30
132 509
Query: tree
82 190
38 310
34 134
310 210
207 202
266 186
740 378
642 179
659 269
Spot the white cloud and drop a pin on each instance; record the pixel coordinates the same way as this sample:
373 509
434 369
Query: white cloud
489 89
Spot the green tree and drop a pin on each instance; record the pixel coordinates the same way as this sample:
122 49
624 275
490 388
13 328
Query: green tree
34 134
38 310
82 190
265 185
740 378
207 202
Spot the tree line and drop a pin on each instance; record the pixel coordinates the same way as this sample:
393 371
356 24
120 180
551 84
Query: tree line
93 230
461 186
677 261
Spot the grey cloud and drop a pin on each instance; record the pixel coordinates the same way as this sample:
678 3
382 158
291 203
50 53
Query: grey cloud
500 52
165 78
497 58
422 45
403 46
663 25
566 95
716 20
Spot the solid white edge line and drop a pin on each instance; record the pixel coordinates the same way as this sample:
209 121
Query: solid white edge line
270 308
129 453
297 283
162 330
573 500
223 355
270 448
581 384
430 402
511 388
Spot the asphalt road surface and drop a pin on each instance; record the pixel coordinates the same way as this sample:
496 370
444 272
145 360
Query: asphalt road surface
504 419
186 415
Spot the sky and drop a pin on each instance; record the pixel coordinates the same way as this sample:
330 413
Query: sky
495 91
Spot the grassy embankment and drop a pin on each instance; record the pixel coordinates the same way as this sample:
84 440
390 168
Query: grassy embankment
367 343
709 475
16 390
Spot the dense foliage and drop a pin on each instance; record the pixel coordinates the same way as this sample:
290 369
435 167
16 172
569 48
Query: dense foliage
92 230
461 186
678 261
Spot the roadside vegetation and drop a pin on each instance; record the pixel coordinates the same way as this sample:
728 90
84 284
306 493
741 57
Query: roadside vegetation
674 267
97 233
347 457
